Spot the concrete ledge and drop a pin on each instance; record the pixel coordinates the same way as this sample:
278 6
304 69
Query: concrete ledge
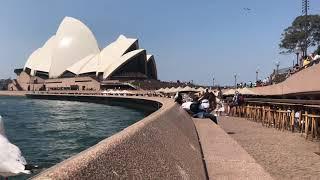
163 145
224 157
145 104
13 93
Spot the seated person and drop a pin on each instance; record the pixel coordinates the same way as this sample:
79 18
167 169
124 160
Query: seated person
178 98
199 109
315 56
306 61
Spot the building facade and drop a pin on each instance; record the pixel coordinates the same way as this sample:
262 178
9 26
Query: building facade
72 58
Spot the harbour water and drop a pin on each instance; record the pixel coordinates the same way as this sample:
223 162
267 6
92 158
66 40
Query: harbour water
49 131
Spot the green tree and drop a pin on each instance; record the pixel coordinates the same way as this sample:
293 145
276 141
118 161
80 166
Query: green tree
295 34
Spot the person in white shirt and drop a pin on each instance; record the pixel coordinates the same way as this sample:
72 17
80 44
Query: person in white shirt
315 56
297 118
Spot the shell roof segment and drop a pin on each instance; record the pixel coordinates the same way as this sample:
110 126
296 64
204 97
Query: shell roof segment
78 67
45 60
33 60
116 63
114 51
74 41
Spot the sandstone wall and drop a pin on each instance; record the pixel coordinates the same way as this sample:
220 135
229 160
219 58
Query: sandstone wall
302 82
164 145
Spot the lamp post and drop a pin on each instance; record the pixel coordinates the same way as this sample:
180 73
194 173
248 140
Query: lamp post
305 8
277 64
213 81
257 74
297 50
235 80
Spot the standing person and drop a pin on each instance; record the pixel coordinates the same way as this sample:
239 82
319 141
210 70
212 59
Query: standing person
178 98
220 94
205 94
240 99
235 99
219 102
297 120
212 101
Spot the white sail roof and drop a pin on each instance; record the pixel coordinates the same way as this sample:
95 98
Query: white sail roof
74 41
152 67
74 48
45 56
99 62
92 65
116 63
33 60
114 51
149 57
77 67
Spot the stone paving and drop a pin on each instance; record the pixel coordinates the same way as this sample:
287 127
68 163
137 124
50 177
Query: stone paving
283 154
224 157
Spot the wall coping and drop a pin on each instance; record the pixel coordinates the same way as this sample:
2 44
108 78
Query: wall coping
69 166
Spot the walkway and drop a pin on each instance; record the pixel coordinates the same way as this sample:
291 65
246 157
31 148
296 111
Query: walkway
283 154
224 157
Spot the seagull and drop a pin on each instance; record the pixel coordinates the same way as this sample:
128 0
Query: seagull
12 163
247 9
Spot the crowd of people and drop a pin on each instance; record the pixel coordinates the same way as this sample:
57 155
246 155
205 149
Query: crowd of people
277 76
306 61
207 104
203 105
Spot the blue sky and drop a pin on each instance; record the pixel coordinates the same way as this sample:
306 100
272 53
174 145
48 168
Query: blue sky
191 40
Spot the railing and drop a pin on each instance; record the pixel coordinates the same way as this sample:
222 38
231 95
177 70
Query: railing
302 116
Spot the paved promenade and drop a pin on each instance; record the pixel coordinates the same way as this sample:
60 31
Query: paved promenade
224 157
283 154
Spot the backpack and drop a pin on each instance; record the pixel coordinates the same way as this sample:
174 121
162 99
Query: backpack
194 107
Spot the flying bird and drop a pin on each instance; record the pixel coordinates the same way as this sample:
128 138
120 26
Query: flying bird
12 163
247 9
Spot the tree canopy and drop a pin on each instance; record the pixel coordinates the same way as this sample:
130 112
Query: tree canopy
295 34
317 51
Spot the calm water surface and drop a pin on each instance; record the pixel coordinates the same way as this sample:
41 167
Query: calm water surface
49 131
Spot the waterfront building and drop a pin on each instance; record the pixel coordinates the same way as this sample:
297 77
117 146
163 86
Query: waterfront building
72 60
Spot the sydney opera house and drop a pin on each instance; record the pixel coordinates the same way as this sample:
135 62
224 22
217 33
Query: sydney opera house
72 60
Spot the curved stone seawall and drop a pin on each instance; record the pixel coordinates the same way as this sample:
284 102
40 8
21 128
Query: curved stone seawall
164 145
139 103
